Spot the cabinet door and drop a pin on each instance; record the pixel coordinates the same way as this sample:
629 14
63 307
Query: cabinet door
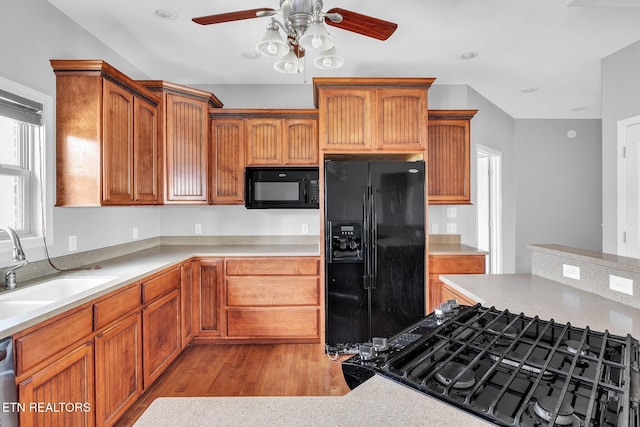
117 147
186 149
264 141
401 118
118 369
186 299
160 335
227 161
345 119
449 161
68 380
145 153
435 292
208 279
300 145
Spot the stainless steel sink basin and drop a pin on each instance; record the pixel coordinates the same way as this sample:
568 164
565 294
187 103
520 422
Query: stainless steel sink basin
66 288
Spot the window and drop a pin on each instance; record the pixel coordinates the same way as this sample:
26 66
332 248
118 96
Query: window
22 159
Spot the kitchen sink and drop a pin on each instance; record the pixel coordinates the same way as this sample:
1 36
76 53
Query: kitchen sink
25 300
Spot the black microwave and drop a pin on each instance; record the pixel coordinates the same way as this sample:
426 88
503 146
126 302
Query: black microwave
281 188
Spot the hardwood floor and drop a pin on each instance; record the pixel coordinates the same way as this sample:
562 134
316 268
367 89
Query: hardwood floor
245 370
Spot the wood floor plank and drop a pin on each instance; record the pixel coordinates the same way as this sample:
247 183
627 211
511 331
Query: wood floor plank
245 370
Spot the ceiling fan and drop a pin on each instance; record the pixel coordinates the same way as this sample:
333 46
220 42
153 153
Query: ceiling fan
302 23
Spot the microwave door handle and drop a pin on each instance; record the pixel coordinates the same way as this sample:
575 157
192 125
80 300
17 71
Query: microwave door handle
248 193
305 190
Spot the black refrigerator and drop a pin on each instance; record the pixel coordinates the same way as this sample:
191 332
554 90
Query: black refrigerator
375 250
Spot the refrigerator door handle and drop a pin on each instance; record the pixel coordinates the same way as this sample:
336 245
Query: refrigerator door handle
365 236
374 239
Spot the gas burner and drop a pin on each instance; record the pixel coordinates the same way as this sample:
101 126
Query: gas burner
514 358
451 370
572 347
505 334
543 408
572 350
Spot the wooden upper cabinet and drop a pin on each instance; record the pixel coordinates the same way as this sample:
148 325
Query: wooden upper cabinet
146 168
386 115
226 160
105 130
300 145
264 141
185 137
117 147
275 137
449 156
345 119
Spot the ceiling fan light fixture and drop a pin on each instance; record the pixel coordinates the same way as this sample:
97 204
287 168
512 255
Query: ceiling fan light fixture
316 37
329 60
289 64
272 44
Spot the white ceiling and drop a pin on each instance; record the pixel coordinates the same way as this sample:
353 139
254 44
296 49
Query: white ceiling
537 58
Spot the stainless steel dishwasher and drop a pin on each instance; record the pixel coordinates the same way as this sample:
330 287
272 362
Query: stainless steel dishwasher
8 389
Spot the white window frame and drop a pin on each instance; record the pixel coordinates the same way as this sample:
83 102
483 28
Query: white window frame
42 185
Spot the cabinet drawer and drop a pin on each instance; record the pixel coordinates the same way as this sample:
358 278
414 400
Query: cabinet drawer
273 322
160 285
36 347
281 266
456 264
116 306
272 291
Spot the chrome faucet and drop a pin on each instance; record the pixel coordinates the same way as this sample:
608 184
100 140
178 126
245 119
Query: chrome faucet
18 256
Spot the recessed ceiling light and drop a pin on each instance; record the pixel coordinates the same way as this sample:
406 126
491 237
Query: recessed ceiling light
250 54
468 55
163 13
529 90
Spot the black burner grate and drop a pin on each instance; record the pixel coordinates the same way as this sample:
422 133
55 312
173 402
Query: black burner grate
576 376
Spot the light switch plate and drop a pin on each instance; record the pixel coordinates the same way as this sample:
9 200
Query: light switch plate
452 212
571 271
621 284
73 243
451 227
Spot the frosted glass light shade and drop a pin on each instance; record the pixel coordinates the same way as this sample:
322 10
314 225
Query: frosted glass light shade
272 44
316 37
329 60
289 64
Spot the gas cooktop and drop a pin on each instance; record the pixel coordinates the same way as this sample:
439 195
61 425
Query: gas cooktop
511 369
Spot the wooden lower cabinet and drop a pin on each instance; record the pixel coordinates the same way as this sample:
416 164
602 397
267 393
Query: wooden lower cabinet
161 339
207 293
118 369
273 298
186 300
62 394
439 292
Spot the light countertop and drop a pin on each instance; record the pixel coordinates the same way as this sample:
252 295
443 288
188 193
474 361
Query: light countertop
377 402
536 296
131 268
454 249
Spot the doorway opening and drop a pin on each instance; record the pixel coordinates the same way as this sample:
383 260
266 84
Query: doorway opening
628 154
489 206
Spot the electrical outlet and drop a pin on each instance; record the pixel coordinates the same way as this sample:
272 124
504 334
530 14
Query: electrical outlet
571 271
451 227
621 284
135 233
198 229
73 243
434 228
452 212
305 228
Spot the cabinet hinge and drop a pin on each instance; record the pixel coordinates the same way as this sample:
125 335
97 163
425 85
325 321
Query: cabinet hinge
624 237
624 152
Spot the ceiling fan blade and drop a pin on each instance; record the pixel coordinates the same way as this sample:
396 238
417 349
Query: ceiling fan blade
363 24
231 16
